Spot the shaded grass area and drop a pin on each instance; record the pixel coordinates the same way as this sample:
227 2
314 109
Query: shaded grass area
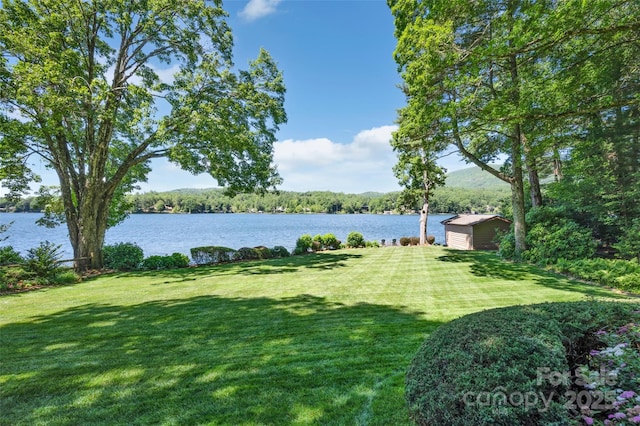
319 339
206 359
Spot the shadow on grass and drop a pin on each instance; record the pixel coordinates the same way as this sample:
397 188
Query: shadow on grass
210 360
323 260
488 264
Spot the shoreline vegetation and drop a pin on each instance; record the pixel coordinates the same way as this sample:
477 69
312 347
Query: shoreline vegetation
445 201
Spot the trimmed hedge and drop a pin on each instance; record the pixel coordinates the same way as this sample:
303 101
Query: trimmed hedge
492 367
246 253
212 254
176 260
410 241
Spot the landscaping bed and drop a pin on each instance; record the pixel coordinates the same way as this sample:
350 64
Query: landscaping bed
555 363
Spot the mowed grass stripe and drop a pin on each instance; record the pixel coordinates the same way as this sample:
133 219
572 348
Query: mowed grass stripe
318 339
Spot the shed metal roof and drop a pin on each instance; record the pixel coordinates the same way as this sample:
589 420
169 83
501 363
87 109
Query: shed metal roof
472 219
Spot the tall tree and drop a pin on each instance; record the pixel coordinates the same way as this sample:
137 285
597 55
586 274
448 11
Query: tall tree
602 79
81 87
491 76
419 175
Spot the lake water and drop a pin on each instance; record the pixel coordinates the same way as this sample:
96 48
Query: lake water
161 234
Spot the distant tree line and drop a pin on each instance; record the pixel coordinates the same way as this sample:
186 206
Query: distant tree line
445 200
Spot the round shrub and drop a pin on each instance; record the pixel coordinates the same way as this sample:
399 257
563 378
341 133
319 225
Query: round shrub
303 244
330 242
279 251
431 239
355 239
405 241
318 243
480 369
180 260
123 256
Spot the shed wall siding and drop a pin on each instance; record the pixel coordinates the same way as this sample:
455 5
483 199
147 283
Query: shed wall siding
484 233
459 237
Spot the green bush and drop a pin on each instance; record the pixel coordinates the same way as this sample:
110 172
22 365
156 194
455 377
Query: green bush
211 255
180 260
355 240
43 261
122 256
154 263
174 261
303 244
246 253
629 242
13 277
8 256
279 251
622 274
372 244
330 242
431 239
65 276
263 252
478 369
410 241
506 244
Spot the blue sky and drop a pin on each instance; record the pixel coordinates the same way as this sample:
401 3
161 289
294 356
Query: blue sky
342 93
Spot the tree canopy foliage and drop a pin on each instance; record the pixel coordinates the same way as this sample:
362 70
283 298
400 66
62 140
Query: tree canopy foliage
521 80
82 88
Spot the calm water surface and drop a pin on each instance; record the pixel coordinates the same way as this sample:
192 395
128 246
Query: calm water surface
160 234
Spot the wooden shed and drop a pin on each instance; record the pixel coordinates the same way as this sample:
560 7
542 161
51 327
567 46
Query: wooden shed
474 231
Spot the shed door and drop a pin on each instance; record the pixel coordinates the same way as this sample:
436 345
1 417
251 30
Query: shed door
459 237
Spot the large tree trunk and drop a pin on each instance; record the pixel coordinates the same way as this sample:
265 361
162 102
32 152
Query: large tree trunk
532 170
517 196
519 226
424 215
87 227
88 251
534 182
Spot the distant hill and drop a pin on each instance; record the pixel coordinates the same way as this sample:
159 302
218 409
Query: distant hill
474 178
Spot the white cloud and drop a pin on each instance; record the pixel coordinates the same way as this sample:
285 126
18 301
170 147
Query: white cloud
364 164
256 9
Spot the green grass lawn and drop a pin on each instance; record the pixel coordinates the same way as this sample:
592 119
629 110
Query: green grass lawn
318 339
